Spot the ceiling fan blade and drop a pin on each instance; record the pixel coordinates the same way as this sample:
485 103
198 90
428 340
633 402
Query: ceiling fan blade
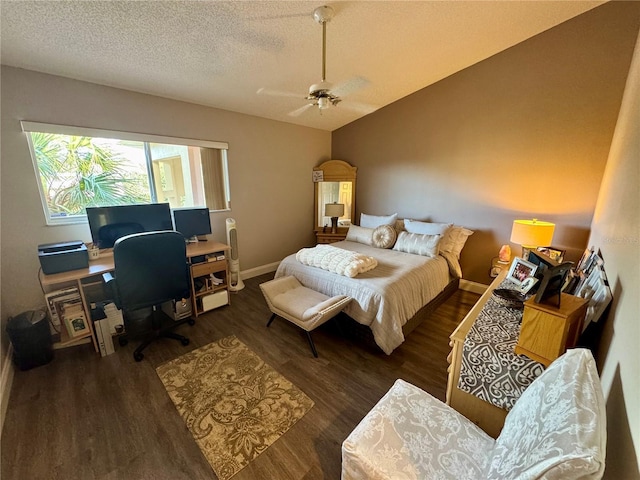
359 107
301 110
350 86
278 93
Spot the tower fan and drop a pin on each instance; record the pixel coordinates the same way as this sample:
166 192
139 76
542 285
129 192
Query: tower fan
234 263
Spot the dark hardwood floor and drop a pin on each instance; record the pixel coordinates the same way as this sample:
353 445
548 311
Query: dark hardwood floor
86 417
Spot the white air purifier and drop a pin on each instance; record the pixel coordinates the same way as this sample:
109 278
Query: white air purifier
235 282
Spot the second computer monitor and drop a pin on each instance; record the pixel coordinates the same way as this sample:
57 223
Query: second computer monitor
192 222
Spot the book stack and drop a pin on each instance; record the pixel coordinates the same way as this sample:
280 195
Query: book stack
73 317
56 302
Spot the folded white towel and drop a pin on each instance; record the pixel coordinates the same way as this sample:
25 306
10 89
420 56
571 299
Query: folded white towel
336 260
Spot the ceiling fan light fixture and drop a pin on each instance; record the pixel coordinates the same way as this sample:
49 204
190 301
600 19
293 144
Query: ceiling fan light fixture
323 103
323 14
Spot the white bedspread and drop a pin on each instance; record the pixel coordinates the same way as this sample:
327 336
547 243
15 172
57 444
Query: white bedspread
336 260
383 298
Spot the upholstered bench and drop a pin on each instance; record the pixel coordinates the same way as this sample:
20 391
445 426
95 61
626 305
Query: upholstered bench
306 308
556 430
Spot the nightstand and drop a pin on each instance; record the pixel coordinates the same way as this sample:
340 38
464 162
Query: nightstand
329 237
547 330
497 266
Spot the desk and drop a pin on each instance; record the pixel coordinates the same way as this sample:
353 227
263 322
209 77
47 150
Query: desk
92 275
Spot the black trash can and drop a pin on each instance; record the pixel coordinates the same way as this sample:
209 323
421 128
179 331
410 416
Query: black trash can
32 344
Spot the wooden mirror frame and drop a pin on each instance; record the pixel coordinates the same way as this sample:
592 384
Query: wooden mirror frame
334 171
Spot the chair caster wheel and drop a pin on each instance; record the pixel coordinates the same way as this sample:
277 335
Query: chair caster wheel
122 341
138 356
191 322
185 341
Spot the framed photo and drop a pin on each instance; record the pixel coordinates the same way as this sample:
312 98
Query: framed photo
521 270
527 285
553 253
552 282
583 260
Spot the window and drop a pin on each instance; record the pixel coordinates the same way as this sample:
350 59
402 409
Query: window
83 167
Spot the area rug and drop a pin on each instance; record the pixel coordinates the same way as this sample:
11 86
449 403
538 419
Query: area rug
234 404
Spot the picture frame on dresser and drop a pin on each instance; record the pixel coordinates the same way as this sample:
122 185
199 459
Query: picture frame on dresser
553 280
554 253
520 270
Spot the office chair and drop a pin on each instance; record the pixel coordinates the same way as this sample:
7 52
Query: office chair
108 234
150 269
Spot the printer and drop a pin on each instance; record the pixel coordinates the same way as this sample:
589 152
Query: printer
62 257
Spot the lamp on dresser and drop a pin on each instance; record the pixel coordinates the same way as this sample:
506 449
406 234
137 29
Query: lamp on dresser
334 210
531 234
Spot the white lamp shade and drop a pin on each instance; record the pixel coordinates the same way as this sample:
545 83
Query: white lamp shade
532 233
334 209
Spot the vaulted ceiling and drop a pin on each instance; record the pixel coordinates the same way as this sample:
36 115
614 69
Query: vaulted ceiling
259 58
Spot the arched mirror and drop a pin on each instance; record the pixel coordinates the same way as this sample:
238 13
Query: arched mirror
334 184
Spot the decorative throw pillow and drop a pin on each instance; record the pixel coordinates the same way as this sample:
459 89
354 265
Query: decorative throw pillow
425 245
360 235
426 228
384 236
455 239
399 225
373 221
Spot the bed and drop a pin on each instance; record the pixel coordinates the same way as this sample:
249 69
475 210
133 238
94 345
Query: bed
389 300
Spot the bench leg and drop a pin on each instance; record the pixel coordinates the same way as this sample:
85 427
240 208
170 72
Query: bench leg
271 319
311 344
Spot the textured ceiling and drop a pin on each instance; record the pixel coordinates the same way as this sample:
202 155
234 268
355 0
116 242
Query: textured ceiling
221 54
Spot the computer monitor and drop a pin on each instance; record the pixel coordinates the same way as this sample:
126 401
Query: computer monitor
107 224
192 222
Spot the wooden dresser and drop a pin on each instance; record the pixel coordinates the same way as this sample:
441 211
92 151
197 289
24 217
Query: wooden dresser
328 237
487 416
548 330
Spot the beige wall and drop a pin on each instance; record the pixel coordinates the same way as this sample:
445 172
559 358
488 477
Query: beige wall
522 134
270 167
616 232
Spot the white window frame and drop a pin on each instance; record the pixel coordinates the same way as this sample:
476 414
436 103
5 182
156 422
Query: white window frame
29 126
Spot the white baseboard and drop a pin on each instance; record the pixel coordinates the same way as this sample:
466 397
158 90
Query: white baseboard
473 287
261 270
5 383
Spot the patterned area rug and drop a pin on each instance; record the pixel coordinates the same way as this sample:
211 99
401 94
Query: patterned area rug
234 404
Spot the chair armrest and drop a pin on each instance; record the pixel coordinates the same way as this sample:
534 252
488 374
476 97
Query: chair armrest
109 283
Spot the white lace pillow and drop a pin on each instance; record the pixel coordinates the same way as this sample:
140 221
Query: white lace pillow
373 221
425 245
360 235
384 236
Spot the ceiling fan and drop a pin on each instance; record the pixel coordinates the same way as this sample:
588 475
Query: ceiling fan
323 95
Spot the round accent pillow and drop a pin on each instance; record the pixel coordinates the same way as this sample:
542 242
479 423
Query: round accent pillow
384 236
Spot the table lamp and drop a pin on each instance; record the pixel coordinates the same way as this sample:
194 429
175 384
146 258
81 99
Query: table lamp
531 234
334 210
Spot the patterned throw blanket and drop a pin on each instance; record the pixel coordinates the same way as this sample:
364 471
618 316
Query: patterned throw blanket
490 369
336 260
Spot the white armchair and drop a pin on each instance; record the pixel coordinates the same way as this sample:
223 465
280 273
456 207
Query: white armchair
556 430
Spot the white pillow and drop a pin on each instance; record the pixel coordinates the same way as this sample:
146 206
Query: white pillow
425 245
360 235
426 228
455 239
384 236
373 221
